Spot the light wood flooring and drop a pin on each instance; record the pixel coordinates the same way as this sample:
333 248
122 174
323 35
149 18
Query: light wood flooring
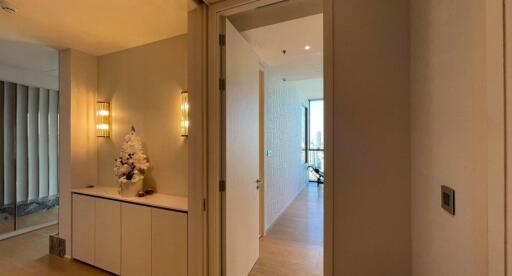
292 246
27 255
294 243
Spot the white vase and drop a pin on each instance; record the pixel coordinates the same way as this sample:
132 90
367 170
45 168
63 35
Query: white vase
130 189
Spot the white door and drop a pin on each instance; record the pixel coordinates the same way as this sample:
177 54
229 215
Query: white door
242 147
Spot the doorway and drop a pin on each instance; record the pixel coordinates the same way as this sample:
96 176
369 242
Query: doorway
277 63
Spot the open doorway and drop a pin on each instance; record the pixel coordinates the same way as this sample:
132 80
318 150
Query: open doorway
272 219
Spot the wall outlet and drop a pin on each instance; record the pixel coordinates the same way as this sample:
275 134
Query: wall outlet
269 153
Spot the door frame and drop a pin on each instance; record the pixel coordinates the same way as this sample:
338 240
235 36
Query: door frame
216 11
261 76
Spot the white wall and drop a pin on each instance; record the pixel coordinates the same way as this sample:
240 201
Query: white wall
144 85
285 173
371 151
449 133
77 147
29 64
28 77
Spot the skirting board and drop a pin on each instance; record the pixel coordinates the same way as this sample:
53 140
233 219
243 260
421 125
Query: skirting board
26 230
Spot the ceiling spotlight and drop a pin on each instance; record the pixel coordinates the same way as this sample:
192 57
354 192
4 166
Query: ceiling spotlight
307 47
7 7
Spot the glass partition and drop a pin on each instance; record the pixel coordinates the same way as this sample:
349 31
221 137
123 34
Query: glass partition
29 145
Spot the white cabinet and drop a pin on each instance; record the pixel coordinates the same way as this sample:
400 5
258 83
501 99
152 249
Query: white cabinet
107 242
169 242
83 228
129 238
136 240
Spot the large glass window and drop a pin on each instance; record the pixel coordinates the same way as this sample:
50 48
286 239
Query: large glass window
305 133
316 135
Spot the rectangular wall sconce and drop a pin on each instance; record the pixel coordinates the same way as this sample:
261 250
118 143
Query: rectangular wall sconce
103 116
184 124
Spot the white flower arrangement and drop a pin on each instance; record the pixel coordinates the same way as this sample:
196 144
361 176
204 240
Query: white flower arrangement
132 163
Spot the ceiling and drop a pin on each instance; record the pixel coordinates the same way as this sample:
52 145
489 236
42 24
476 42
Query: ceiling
274 13
28 56
297 63
97 27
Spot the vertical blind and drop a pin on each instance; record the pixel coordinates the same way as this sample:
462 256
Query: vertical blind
28 142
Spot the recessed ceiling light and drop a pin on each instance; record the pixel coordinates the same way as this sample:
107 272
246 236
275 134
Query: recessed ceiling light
307 47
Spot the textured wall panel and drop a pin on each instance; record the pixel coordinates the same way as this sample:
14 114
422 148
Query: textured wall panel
33 143
21 143
53 143
9 142
285 173
43 143
1 143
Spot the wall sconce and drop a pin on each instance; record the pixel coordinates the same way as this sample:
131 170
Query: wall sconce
103 116
184 124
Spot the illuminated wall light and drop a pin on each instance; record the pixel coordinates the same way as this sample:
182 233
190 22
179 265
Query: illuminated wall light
184 122
103 116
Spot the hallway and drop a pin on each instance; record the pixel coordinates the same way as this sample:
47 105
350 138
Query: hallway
294 243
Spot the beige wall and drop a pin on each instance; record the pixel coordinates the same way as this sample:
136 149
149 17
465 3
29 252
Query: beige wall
77 145
371 169
144 85
448 136
197 141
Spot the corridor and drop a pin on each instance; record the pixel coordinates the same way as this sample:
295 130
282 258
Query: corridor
294 243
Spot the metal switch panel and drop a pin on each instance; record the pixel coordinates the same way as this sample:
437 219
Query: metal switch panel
448 199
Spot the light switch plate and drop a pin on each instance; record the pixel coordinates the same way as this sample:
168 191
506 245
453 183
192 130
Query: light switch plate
448 199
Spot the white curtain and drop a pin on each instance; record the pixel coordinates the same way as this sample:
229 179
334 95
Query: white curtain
29 143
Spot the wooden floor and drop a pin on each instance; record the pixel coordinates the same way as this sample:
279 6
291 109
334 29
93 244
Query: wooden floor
292 246
294 243
27 255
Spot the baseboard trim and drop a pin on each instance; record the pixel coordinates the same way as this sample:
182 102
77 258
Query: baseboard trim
26 230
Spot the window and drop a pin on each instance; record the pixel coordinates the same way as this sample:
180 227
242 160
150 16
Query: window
315 155
305 131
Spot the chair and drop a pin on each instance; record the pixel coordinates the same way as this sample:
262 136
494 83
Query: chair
318 174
